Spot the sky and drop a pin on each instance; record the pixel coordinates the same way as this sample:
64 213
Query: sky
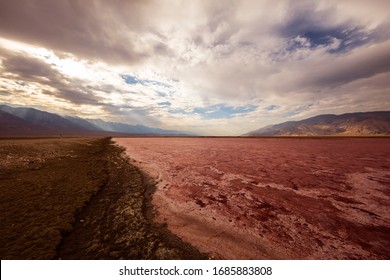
209 67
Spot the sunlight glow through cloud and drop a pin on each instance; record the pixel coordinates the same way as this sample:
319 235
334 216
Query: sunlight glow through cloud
204 67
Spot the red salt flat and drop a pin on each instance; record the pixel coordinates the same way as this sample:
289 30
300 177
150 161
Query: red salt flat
272 198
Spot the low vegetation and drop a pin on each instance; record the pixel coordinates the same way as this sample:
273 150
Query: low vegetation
79 199
43 184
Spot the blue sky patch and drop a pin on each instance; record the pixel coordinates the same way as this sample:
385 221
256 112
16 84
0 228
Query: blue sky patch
133 81
219 111
130 79
271 107
165 103
162 94
349 38
307 23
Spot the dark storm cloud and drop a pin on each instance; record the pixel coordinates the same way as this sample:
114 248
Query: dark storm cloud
364 64
30 69
321 26
320 46
365 67
302 16
90 29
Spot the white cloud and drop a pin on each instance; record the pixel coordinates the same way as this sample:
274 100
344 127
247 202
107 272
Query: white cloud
301 58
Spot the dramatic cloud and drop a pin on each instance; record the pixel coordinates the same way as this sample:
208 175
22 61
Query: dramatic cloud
89 29
213 67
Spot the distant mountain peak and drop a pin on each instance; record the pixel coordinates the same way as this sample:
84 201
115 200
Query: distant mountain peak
349 124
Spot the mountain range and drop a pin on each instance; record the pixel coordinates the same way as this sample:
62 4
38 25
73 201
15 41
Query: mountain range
350 124
21 121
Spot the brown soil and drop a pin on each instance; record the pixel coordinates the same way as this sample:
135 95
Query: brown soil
78 199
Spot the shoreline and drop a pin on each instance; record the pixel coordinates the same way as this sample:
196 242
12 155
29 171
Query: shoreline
118 222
